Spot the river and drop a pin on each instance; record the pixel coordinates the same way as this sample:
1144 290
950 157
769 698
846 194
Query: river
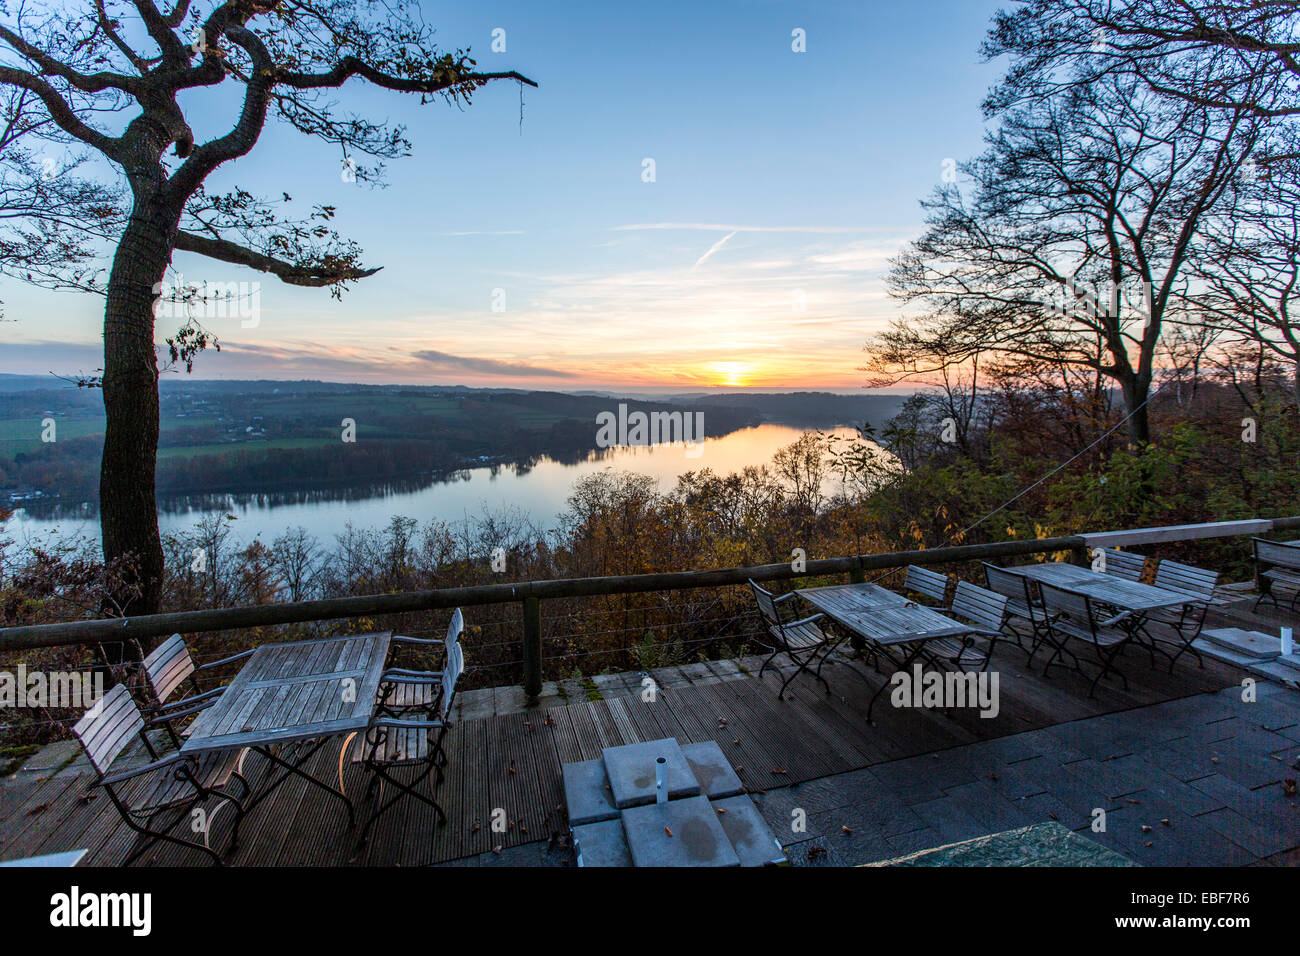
540 491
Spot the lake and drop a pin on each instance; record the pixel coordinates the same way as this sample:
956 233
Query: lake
541 491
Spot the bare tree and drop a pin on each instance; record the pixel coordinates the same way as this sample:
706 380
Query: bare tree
1248 265
1074 230
88 62
1221 54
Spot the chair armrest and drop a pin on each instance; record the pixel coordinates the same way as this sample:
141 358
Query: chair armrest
226 660
1121 616
209 695
784 597
167 717
165 762
804 620
416 640
399 724
407 672
388 677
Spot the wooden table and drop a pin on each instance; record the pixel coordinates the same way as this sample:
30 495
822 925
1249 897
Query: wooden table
886 619
1133 596
1104 588
880 615
305 691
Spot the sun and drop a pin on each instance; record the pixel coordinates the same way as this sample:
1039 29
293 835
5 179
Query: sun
731 373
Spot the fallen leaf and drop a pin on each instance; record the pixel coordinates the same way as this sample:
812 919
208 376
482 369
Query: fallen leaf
1146 829
846 830
1289 787
668 830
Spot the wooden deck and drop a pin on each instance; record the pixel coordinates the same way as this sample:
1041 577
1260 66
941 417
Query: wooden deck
512 761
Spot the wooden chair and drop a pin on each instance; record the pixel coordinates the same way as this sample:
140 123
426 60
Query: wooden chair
173 785
802 641
931 584
1071 615
1021 606
168 667
410 741
1276 562
402 690
986 610
1122 564
1197 585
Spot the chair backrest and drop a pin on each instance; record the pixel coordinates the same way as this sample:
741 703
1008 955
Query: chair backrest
1123 564
930 583
1187 579
106 729
1013 586
1075 606
451 672
455 628
979 606
1286 554
766 605
167 666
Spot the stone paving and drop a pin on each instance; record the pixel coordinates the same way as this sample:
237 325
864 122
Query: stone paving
1199 781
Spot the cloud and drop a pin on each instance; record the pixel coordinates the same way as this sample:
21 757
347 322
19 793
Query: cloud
716 227
486 366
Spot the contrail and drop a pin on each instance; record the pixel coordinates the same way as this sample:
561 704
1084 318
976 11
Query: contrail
714 248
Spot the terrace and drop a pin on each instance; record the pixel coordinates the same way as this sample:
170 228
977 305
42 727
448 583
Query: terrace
1187 772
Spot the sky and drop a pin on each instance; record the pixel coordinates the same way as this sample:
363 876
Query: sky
521 244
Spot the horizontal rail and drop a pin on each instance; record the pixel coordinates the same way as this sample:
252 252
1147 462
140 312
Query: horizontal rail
263 615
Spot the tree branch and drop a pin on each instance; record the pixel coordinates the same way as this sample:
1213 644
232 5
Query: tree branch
291 273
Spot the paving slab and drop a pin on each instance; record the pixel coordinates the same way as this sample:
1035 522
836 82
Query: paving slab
631 771
683 832
712 770
601 844
750 836
586 792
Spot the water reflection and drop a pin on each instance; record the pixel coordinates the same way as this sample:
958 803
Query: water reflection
539 485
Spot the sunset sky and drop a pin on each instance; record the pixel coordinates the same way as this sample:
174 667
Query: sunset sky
784 181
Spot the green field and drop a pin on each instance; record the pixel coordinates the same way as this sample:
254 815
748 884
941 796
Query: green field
224 448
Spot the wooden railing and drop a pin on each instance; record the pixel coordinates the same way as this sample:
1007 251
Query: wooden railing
530 594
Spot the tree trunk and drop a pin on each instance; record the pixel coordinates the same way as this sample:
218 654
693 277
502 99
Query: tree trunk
1136 390
129 515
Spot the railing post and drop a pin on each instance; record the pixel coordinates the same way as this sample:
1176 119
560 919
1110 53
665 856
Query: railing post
1079 556
532 649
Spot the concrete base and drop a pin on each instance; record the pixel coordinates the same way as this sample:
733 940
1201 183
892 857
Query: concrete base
748 832
682 832
587 793
631 771
1250 644
714 773
601 844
